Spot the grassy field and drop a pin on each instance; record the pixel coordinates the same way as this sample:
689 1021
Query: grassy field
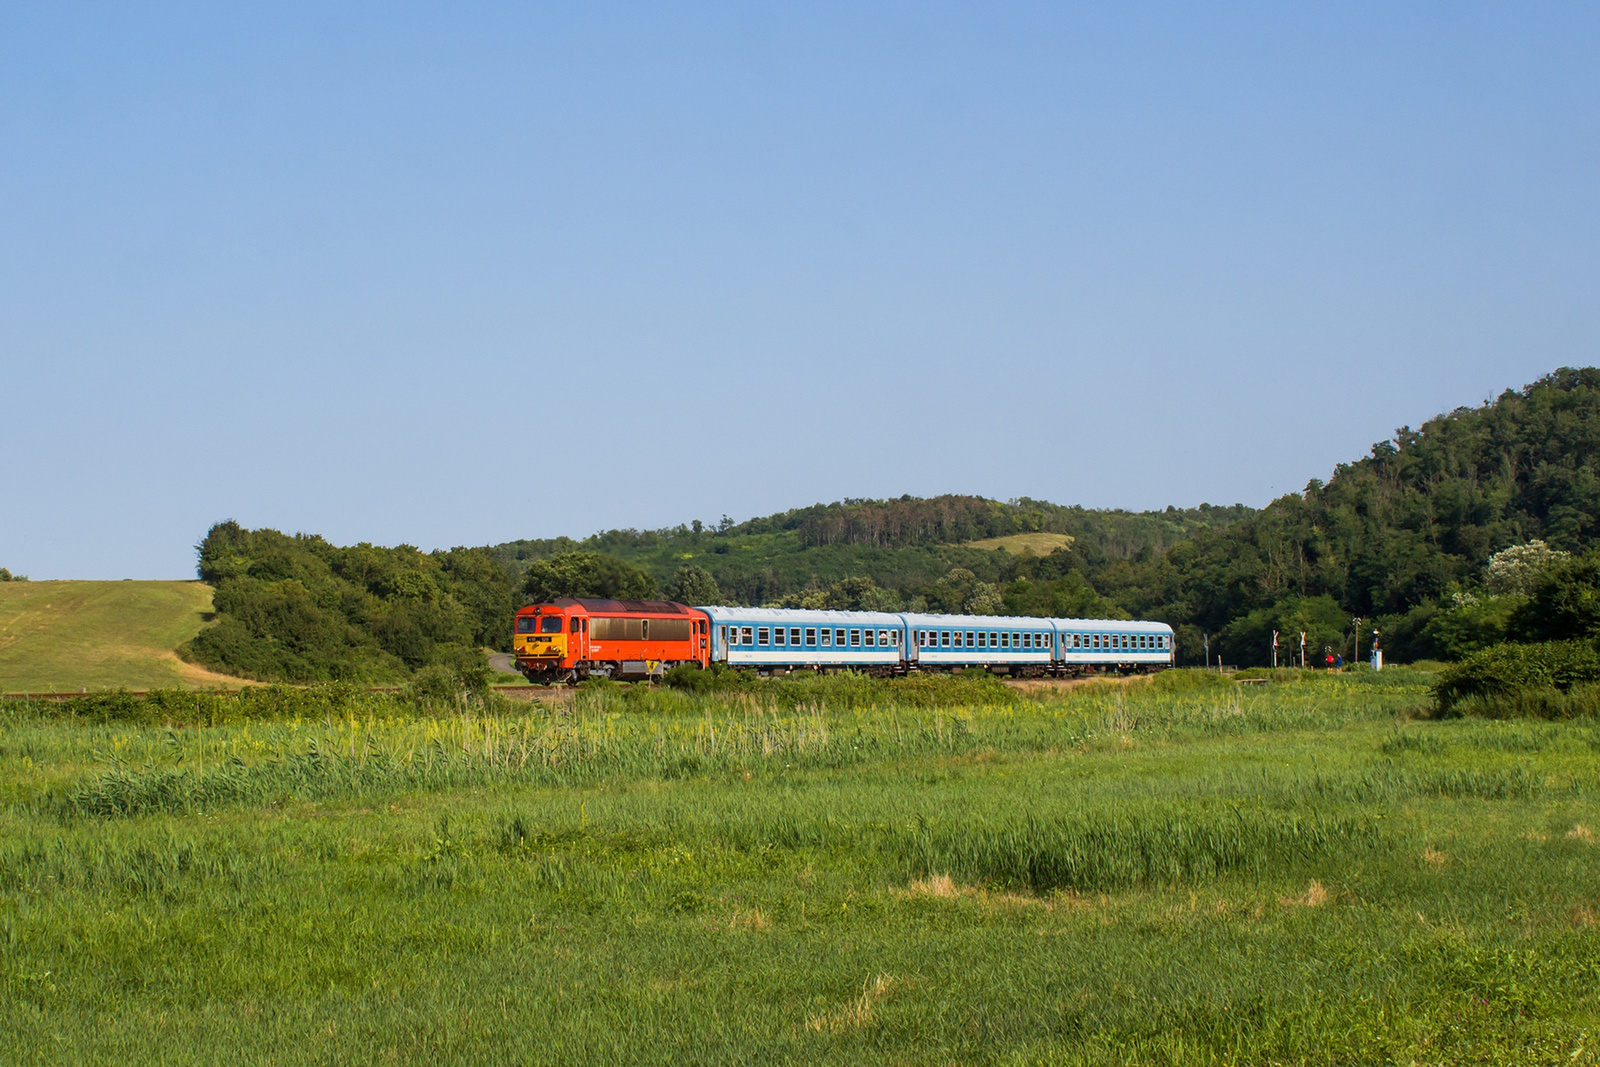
824 870
66 636
1040 544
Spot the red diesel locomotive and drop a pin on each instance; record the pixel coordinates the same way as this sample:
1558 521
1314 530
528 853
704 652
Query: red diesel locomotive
572 638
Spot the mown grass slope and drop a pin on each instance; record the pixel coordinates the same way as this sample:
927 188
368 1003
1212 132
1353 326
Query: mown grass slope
1179 872
65 636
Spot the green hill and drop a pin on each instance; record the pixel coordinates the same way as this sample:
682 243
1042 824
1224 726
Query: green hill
906 545
64 636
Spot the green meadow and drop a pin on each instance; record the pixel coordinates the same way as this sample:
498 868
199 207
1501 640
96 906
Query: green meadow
835 870
66 636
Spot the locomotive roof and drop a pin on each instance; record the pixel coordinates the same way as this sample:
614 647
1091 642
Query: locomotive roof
602 606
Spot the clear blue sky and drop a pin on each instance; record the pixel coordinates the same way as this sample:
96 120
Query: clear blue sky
462 273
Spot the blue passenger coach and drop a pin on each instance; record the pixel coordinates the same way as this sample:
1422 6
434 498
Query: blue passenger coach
767 638
992 641
1103 644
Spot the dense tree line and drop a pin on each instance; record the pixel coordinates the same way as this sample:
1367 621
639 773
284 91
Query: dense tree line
300 609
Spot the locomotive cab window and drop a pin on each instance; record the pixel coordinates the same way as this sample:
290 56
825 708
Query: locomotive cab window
550 624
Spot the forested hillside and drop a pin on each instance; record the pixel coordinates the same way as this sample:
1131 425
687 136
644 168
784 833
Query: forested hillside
1401 538
905 548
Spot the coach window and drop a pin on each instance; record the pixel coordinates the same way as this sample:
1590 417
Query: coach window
794 636
761 635
994 640
981 642
869 639
838 638
894 638
745 637
855 637
811 635
778 635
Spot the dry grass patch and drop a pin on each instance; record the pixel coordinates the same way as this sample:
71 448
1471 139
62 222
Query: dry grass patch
1580 832
1434 858
1314 897
943 887
858 1013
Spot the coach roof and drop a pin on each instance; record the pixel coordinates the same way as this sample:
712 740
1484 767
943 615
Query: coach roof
800 616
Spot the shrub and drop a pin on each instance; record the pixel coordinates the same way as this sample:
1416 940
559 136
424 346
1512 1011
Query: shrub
1505 671
719 677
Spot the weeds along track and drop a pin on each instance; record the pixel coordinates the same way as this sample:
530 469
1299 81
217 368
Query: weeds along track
381 746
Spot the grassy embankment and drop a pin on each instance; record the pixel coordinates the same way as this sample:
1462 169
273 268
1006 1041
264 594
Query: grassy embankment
828 871
66 636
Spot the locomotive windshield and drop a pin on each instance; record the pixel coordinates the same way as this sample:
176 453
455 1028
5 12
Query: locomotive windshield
550 624
533 624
